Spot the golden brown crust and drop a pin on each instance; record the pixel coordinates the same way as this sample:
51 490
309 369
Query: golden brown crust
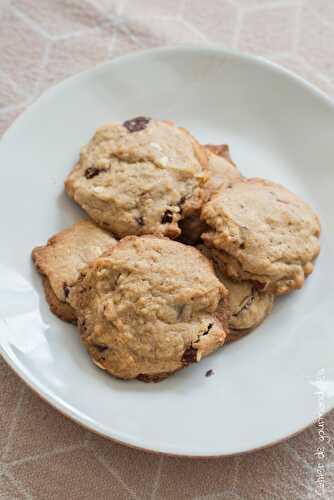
222 150
158 377
140 178
63 257
61 309
146 308
237 334
200 151
263 233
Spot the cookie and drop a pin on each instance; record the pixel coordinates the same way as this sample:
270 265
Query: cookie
60 308
222 172
263 233
139 177
148 307
222 150
62 259
248 306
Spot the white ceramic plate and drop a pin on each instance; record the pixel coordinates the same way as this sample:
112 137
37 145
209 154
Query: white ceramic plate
278 126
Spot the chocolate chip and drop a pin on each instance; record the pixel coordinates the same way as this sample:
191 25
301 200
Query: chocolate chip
242 246
66 290
167 217
91 172
100 347
258 286
189 356
182 200
140 220
136 124
209 373
208 329
82 325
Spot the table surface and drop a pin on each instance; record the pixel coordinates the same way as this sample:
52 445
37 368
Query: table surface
42 454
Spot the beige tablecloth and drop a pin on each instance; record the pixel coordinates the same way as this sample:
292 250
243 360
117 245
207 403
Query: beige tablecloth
42 454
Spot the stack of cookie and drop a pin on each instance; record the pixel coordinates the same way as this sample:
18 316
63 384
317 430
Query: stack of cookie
147 305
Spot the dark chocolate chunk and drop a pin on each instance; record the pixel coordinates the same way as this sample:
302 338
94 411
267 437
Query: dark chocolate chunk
136 124
189 356
209 373
91 172
167 217
66 290
140 220
182 200
242 246
258 286
100 347
208 329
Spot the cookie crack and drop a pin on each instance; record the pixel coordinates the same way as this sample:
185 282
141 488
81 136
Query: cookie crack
190 353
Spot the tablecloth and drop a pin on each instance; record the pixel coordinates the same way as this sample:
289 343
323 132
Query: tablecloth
43 455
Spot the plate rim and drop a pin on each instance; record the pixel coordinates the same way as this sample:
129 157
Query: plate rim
68 411
214 48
